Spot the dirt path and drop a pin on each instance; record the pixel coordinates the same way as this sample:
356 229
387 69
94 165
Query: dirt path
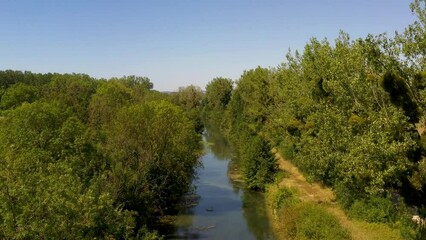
308 192
315 193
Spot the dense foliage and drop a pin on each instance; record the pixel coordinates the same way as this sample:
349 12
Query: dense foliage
239 112
190 99
87 158
217 96
350 114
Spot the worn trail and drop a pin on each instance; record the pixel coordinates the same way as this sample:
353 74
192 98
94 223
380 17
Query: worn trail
318 194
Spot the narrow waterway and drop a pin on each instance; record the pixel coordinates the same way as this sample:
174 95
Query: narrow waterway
225 209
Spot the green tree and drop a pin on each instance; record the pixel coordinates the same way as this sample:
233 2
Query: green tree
151 147
110 96
259 164
218 93
45 190
11 77
17 94
189 97
413 40
74 90
133 81
254 87
399 95
217 96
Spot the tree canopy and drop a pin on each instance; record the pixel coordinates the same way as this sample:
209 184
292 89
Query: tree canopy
86 158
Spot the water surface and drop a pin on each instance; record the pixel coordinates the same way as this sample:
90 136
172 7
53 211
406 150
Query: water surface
225 209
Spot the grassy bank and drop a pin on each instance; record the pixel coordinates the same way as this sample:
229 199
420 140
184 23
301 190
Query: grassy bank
302 210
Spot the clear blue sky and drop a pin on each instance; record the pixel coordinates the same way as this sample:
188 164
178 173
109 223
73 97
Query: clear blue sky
178 42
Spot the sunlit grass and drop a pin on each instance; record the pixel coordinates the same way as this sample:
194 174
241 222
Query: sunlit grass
302 210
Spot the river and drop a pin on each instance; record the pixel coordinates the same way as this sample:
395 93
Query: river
225 209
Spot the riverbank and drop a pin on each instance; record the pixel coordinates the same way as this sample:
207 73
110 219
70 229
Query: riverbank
288 219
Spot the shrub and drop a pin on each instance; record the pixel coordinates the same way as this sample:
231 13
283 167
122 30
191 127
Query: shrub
288 150
345 195
259 164
374 209
284 197
315 222
409 229
145 233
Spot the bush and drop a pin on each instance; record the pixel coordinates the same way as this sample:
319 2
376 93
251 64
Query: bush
374 209
146 234
409 229
315 223
284 197
345 195
288 150
259 164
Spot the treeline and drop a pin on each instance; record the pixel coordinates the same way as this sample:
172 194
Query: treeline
90 158
350 114
232 110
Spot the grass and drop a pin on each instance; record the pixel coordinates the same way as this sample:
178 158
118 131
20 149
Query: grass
303 210
296 219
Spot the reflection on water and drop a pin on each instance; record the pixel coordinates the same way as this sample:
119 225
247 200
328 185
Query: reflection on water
219 145
225 210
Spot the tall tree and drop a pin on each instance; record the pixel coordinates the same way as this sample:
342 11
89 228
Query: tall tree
218 93
151 147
